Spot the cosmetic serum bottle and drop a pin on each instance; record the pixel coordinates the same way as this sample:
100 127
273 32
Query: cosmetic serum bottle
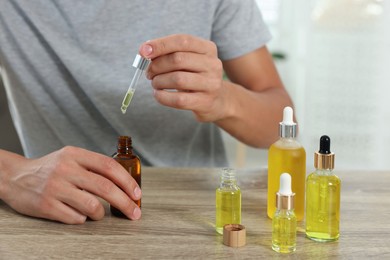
131 162
227 200
287 155
323 197
284 221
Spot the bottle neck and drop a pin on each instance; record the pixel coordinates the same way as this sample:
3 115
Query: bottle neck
287 131
228 178
285 202
124 145
285 212
324 172
324 161
228 183
288 139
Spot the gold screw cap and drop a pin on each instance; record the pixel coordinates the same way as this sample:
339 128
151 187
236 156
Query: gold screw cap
234 235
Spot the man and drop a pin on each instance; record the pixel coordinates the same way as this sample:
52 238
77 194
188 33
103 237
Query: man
66 66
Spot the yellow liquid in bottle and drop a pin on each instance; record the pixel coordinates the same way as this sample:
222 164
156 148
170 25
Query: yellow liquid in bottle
287 155
284 231
228 208
323 207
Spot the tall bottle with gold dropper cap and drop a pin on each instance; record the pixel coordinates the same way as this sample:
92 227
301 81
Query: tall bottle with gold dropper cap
323 196
287 155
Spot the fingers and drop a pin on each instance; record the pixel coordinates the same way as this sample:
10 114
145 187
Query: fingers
104 177
66 214
183 61
48 207
183 81
177 43
105 189
106 167
181 100
58 211
82 201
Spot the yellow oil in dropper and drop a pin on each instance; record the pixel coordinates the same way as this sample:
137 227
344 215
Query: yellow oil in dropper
141 64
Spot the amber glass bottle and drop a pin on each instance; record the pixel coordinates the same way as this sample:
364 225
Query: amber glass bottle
130 162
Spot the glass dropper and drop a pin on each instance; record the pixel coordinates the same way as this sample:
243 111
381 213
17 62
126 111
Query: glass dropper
141 64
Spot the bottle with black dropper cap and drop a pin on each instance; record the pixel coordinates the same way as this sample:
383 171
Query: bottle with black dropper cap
323 196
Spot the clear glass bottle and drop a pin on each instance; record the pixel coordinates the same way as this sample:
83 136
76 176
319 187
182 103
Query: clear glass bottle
287 155
284 221
323 197
228 201
125 157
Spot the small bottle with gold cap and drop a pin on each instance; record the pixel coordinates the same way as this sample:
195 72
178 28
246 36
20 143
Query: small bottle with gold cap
323 196
284 221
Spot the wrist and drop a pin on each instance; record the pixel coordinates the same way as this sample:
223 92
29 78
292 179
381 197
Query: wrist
7 159
2 174
229 105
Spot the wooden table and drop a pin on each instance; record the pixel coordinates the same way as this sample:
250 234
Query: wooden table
178 216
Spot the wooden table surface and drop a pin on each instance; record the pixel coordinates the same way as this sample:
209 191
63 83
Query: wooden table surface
178 218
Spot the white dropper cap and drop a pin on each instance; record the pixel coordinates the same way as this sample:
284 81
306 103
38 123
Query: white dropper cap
287 128
288 116
285 184
285 196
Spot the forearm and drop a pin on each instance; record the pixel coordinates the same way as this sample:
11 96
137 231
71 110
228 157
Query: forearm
253 117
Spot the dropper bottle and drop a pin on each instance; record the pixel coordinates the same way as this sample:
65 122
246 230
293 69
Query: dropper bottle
323 196
131 162
284 221
287 155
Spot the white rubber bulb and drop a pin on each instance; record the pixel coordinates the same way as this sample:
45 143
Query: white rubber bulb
288 116
285 184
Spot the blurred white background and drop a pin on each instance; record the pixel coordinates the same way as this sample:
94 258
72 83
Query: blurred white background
337 72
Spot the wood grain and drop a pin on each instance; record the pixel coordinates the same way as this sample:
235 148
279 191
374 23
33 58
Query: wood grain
178 214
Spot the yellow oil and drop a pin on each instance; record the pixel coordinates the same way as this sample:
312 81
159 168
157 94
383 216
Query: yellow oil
323 206
284 231
228 208
287 155
126 101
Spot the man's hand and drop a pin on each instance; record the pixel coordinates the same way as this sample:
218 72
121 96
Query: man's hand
187 74
63 185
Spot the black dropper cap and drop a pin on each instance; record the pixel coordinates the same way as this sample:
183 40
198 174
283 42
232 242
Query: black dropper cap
324 145
324 158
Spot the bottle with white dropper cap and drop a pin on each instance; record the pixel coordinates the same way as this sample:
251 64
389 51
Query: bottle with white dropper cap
284 221
287 155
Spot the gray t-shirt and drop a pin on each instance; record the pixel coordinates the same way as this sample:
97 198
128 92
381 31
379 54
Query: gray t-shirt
67 64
